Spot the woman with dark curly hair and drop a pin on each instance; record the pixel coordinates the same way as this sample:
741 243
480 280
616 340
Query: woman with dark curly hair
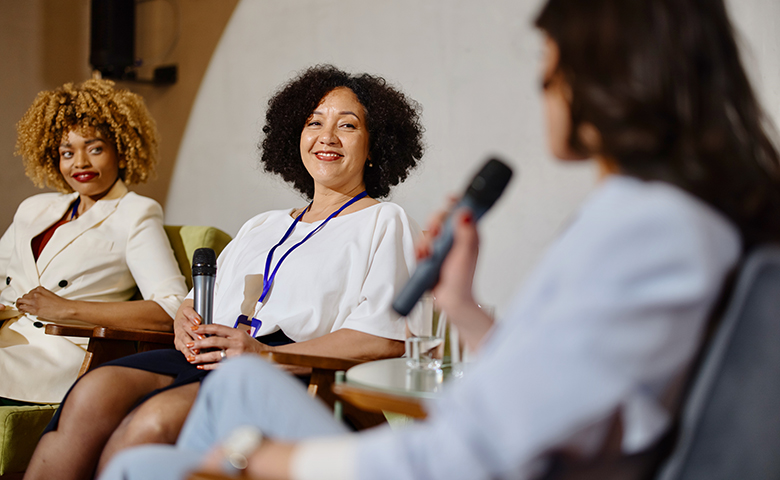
394 145
317 280
81 254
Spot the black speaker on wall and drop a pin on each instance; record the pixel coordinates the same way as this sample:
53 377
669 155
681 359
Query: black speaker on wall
112 39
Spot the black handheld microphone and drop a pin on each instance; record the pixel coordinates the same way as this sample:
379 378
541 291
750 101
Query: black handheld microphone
204 273
483 192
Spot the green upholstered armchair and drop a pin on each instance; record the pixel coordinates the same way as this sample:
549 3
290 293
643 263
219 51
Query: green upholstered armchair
186 239
21 426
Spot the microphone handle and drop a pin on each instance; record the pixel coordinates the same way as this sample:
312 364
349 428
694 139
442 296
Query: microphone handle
426 275
203 286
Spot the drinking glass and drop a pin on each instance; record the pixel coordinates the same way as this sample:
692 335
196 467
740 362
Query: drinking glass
426 334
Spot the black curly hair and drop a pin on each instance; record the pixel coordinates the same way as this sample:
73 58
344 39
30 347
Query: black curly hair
393 121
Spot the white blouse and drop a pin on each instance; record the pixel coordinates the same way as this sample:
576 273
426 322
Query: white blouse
344 276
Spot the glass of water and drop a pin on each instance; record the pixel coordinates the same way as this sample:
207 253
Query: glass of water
426 333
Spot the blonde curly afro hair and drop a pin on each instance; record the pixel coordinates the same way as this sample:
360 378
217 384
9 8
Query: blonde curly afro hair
120 116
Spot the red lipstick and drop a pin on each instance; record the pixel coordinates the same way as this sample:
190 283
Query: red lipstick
84 177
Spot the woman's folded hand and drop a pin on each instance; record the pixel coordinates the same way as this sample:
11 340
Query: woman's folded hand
45 304
186 318
218 342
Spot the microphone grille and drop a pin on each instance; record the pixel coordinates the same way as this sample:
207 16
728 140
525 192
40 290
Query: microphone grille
204 262
490 182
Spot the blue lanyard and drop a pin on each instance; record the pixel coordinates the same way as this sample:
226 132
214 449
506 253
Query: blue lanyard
269 280
75 208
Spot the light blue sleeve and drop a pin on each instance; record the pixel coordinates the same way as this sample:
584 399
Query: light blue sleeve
612 315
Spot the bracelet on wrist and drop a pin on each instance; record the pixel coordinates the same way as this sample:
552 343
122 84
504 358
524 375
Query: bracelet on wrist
239 446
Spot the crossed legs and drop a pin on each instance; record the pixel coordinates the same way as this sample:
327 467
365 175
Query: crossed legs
245 390
94 422
157 420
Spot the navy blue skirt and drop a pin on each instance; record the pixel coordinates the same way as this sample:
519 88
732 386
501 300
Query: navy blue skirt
165 362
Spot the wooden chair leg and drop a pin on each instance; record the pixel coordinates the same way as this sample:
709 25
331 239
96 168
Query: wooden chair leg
361 419
12 476
321 384
102 350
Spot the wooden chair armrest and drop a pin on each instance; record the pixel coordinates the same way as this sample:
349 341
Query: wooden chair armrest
133 334
110 333
110 343
311 361
69 330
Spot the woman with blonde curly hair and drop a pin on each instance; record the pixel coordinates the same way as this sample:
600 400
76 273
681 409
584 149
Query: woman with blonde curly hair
79 255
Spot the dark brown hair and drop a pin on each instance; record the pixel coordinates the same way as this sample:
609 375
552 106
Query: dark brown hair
663 83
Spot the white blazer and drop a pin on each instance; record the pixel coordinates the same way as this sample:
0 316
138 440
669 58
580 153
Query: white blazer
118 244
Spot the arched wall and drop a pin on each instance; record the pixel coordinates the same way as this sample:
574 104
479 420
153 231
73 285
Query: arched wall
474 68
472 65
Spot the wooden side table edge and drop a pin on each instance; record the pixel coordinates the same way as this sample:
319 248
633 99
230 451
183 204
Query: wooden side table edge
376 401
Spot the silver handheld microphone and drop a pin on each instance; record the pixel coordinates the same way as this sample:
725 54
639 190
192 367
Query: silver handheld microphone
204 273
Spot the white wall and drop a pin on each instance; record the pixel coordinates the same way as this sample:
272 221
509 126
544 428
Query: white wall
34 57
474 68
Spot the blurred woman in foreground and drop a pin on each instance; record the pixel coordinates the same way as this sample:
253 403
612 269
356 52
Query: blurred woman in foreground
608 324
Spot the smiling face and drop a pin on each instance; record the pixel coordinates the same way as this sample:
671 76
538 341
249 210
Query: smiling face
89 163
334 142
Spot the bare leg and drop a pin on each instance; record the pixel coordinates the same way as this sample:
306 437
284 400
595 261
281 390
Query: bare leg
157 420
94 408
244 391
